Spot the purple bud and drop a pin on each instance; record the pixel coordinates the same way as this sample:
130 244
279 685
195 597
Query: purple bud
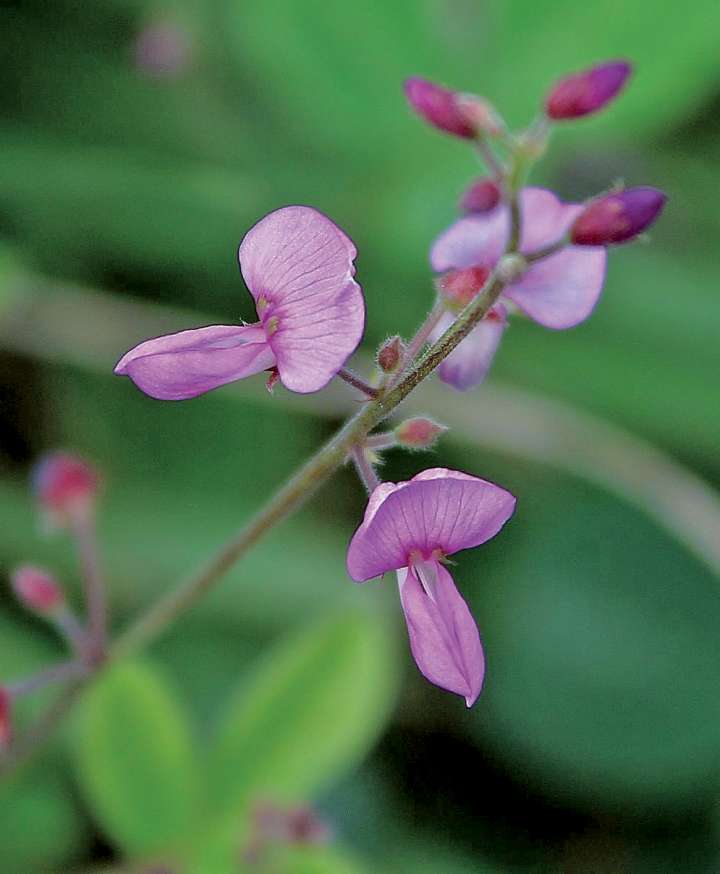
439 107
390 354
418 433
482 196
37 590
163 49
5 717
589 91
618 217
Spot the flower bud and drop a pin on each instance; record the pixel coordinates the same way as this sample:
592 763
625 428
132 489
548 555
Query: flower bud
480 114
439 107
418 433
37 590
617 217
66 487
461 286
5 717
586 92
482 196
391 354
163 49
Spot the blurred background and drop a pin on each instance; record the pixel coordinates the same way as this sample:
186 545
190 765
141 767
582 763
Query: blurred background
138 142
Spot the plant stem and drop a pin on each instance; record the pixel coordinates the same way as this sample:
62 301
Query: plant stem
378 442
364 468
95 592
357 382
492 163
420 338
54 674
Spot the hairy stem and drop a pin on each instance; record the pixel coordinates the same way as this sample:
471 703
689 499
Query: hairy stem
357 382
364 468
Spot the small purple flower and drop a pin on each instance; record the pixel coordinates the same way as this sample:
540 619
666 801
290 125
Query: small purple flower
558 292
439 107
588 91
37 590
618 217
299 268
410 527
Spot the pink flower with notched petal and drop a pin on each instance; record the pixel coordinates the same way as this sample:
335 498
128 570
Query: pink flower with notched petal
410 527
299 268
558 292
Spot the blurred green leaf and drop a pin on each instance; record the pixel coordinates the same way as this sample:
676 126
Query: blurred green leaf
312 860
41 828
135 761
307 713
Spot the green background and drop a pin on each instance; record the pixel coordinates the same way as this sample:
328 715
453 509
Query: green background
595 746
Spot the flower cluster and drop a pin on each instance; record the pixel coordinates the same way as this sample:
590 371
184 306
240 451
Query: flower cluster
517 248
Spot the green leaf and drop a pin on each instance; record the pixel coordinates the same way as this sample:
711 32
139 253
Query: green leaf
135 759
309 711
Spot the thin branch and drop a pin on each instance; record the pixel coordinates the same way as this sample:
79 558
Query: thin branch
357 382
95 589
364 468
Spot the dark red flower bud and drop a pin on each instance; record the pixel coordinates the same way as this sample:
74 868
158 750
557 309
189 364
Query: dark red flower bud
5 718
589 91
617 217
390 354
482 196
439 107
37 590
65 485
461 286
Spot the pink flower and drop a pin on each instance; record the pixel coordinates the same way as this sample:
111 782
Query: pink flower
299 268
5 718
411 527
587 92
558 292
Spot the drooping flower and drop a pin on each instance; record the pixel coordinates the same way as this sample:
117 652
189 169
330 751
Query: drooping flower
618 217
298 266
587 92
410 527
559 291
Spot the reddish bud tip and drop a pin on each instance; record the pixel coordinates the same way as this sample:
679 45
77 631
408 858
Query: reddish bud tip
618 217
482 196
37 590
5 718
65 486
390 354
587 92
438 106
418 433
461 286
272 380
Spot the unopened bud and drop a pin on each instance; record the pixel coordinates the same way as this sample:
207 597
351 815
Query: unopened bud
418 433
66 487
482 196
480 114
461 286
391 354
438 106
37 590
5 718
617 217
272 380
163 49
588 91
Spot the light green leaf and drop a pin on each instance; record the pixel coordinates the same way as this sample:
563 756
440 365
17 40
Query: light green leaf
135 760
311 709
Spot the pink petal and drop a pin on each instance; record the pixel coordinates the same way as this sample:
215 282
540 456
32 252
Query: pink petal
437 509
299 268
561 291
471 242
467 365
443 636
180 366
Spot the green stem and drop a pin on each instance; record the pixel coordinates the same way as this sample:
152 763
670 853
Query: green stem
364 468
